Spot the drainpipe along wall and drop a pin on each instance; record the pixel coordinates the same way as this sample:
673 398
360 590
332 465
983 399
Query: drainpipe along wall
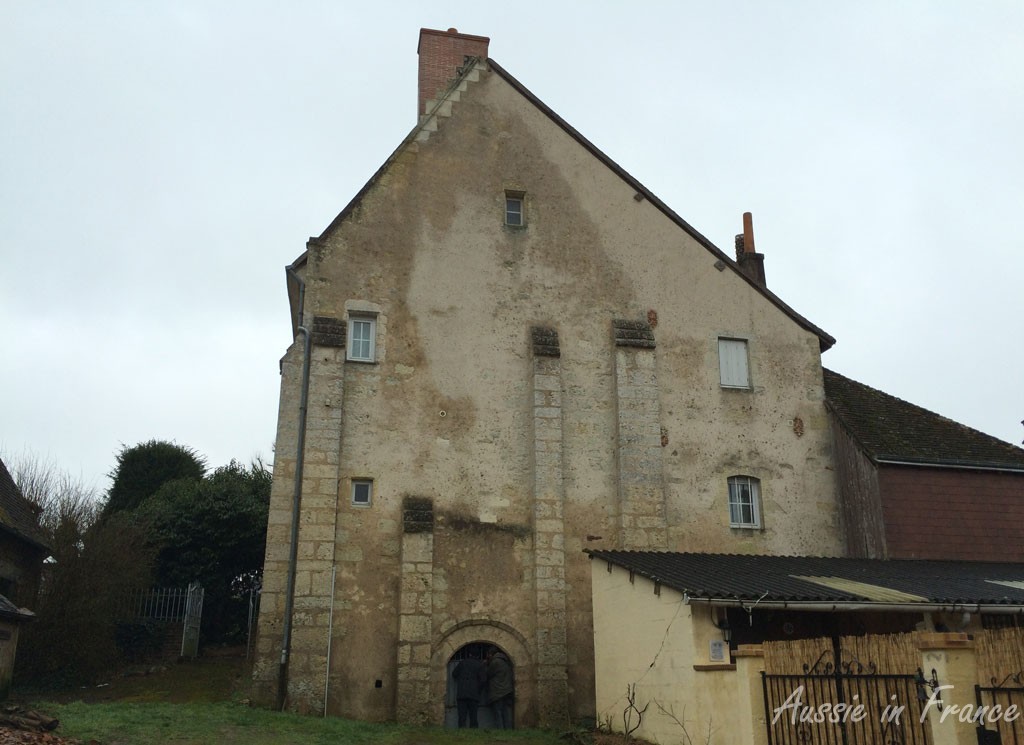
293 549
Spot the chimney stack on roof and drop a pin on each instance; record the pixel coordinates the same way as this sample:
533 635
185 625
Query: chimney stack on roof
442 54
751 263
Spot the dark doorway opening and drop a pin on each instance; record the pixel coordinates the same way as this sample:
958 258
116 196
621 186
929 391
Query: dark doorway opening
485 716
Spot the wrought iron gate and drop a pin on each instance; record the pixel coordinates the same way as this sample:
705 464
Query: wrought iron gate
995 729
848 703
191 620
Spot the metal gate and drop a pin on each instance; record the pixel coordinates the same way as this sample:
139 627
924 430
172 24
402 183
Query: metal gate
845 704
167 607
190 621
994 729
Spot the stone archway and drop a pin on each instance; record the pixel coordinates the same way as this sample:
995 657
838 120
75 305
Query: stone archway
501 635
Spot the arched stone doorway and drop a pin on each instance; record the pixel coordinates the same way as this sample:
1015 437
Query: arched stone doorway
480 635
485 716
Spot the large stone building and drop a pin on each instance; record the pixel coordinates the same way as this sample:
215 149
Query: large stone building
516 352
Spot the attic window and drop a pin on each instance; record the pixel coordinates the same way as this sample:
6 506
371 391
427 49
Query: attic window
515 209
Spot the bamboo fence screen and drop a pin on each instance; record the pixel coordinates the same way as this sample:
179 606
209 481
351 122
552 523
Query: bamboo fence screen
999 653
891 654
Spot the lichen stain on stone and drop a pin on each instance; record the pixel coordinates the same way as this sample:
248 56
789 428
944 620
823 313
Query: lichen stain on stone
465 162
481 562
470 523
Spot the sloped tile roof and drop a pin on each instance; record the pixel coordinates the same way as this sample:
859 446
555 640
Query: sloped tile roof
16 513
890 429
814 579
10 611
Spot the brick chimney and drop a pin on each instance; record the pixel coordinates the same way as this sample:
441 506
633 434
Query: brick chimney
442 53
751 263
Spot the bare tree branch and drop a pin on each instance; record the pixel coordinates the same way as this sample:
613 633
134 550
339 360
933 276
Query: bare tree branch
670 713
627 714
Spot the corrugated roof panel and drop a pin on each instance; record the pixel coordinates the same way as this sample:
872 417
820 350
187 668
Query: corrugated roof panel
816 579
875 593
1017 584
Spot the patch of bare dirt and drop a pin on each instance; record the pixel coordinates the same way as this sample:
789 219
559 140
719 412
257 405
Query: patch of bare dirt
10 736
21 724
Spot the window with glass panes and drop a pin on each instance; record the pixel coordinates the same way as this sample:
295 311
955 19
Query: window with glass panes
362 492
361 337
514 209
744 502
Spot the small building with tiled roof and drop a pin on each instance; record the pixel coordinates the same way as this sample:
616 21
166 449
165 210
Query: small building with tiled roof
916 485
23 546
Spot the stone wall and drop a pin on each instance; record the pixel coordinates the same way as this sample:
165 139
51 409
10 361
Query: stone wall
549 528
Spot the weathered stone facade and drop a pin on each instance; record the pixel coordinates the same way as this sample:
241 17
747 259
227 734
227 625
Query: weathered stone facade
536 390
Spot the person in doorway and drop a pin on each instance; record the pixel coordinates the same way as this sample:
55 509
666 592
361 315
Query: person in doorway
469 675
500 687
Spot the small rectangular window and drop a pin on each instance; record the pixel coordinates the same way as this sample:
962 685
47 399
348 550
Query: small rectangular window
514 213
362 337
362 492
744 502
732 363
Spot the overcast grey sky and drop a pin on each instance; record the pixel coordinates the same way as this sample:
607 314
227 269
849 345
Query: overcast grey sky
161 162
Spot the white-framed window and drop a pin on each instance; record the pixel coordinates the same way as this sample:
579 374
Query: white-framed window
744 502
515 209
362 338
732 363
362 492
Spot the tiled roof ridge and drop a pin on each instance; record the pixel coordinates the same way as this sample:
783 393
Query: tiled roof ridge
909 404
877 442
17 514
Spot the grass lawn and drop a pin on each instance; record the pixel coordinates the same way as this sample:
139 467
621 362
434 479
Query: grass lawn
202 703
228 723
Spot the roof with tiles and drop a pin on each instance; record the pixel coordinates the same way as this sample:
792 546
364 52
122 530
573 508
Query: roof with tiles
17 515
814 579
890 429
11 612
